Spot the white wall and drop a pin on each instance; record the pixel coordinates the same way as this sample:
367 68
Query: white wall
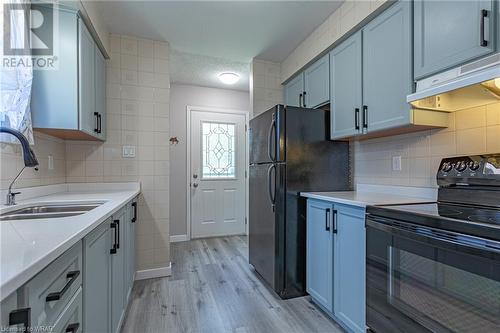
180 97
265 87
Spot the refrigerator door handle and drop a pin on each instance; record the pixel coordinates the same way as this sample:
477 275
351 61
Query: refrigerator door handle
270 139
271 190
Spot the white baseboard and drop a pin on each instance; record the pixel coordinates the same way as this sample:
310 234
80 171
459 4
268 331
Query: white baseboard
154 273
178 238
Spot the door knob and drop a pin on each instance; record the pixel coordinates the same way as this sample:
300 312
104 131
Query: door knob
195 185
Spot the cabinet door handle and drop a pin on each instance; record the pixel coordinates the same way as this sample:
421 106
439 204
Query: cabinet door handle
334 221
72 327
118 237
96 122
356 118
365 116
482 41
300 100
20 317
57 295
134 219
327 219
304 99
99 123
113 249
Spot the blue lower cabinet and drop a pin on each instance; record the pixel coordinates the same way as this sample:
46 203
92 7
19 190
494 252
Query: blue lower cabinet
349 267
336 261
319 251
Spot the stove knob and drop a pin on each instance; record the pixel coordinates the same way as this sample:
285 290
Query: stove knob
474 165
461 166
446 167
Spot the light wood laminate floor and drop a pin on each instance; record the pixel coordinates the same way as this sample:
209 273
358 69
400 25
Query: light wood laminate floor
213 289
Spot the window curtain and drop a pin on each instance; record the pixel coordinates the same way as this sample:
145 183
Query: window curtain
15 82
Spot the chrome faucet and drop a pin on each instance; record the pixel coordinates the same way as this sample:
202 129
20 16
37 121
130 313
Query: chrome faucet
29 161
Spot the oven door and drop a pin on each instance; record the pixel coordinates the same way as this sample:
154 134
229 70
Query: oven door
421 279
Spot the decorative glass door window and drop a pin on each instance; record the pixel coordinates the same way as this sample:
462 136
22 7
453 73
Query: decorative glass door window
218 150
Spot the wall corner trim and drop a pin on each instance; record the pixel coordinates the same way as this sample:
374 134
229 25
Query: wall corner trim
154 273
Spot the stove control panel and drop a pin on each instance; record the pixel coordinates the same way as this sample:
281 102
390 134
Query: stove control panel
470 170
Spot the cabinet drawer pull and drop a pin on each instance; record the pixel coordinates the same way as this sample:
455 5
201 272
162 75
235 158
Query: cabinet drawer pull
57 295
334 221
365 116
134 219
356 118
72 327
327 220
114 227
482 41
20 317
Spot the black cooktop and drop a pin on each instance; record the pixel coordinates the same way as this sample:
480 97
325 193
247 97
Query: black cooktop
473 220
454 211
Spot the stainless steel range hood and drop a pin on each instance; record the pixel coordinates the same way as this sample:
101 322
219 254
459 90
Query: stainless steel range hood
471 85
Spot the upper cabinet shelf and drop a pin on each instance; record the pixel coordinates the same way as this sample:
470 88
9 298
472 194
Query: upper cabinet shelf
70 101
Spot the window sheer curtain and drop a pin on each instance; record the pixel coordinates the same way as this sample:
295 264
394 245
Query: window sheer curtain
15 82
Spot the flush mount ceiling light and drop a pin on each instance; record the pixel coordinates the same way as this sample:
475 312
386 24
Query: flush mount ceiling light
229 78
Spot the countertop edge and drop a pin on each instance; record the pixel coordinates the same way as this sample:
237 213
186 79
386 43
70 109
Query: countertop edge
23 276
337 200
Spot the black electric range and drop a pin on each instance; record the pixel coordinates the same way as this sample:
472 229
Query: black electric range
435 267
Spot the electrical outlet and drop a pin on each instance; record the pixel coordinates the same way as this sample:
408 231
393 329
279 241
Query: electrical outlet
128 151
50 165
396 163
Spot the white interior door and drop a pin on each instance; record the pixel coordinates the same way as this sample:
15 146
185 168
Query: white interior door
217 174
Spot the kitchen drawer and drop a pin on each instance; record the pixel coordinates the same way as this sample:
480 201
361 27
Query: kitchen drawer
49 292
71 318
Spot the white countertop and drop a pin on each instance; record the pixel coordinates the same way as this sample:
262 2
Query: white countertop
363 199
28 246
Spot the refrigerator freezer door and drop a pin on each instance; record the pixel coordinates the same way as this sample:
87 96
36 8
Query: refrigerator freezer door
266 135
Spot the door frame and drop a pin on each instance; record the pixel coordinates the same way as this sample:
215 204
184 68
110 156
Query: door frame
189 110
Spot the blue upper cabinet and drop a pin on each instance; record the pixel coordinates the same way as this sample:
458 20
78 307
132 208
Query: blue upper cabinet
345 86
311 88
387 69
86 71
317 83
69 102
449 33
294 91
319 253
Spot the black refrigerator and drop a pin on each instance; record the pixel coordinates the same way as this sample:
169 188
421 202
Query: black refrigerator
289 153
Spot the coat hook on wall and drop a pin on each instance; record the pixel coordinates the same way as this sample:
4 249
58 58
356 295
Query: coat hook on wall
174 140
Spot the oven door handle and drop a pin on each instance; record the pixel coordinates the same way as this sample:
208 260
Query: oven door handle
436 237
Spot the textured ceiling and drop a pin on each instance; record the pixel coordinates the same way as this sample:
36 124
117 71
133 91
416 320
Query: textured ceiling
187 68
215 36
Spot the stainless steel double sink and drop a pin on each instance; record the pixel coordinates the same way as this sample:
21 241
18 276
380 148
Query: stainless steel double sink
45 211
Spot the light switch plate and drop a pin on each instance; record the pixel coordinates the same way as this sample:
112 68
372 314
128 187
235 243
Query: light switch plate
396 163
128 151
